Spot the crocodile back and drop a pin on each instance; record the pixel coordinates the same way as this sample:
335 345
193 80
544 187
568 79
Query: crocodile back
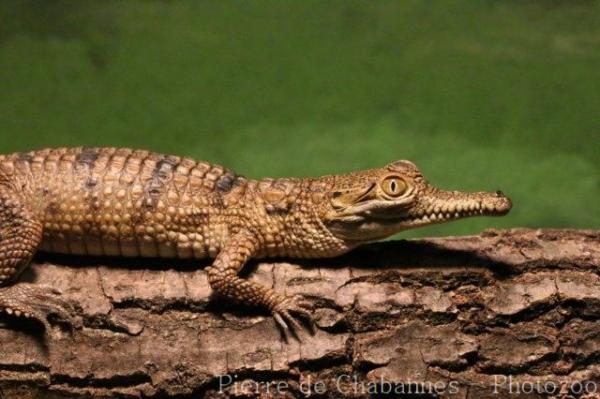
117 201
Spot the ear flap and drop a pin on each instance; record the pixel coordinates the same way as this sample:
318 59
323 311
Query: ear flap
344 198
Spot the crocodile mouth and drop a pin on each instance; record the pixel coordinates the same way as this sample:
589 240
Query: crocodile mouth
483 204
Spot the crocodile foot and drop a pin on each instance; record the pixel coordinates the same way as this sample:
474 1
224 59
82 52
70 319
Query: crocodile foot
36 302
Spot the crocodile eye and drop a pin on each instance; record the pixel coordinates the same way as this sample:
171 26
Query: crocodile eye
393 186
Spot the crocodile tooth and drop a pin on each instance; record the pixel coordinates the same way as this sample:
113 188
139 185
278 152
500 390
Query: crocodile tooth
456 214
432 217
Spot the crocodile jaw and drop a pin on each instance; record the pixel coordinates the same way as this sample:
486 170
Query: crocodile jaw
430 207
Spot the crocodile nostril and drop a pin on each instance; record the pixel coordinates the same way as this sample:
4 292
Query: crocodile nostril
499 193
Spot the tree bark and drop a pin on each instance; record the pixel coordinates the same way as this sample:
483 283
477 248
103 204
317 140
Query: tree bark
455 316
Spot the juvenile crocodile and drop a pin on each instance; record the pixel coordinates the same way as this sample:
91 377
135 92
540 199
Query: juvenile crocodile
122 202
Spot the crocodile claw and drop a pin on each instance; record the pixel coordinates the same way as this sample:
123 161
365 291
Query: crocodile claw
284 312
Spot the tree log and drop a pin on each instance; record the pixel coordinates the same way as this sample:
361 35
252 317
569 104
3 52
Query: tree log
511 313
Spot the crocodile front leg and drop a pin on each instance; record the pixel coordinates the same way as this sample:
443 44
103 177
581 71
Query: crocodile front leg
223 278
20 236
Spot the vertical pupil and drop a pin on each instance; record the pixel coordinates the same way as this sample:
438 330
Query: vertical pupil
393 186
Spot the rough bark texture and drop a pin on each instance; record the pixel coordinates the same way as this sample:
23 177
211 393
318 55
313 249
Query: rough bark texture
455 316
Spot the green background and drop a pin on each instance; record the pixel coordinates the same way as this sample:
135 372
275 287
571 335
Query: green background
482 95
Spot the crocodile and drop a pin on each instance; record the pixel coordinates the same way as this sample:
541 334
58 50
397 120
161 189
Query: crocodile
136 203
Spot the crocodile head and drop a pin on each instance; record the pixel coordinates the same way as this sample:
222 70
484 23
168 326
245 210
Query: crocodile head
373 204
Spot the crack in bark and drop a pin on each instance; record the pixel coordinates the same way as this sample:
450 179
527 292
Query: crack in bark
132 380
